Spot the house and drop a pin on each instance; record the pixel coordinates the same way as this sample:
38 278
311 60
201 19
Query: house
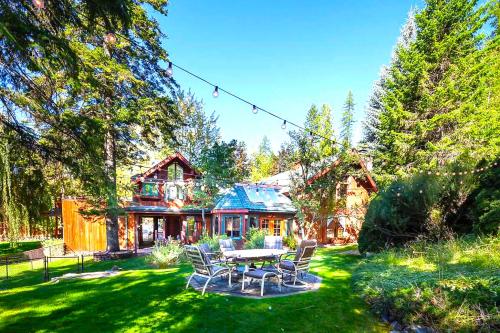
160 208
246 206
344 223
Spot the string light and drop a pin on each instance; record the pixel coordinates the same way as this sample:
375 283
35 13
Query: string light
216 92
254 109
283 126
40 4
170 70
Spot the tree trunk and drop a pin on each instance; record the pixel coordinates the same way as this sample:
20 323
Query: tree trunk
112 200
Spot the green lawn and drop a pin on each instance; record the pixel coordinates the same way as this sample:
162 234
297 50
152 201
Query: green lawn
5 247
145 299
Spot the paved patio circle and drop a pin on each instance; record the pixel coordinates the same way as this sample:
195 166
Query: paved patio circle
219 285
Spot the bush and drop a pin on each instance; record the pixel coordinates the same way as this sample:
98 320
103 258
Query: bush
290 242
452 285
213 242
53 247
255 238
166 254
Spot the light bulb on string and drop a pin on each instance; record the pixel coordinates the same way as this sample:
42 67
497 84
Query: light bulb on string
283 126
170 69
40 4
254 109
216 92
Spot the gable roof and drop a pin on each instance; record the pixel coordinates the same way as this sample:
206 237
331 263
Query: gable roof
167 161
255 198
370 182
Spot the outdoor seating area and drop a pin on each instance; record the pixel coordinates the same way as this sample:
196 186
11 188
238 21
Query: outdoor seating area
245 273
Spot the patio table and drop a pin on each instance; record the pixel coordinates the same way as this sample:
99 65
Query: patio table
253 255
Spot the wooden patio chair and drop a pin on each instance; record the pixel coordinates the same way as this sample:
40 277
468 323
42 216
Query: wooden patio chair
299 265
203 266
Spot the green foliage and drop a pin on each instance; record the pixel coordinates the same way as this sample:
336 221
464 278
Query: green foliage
347 121
290 242
221 170
7 248
255 238
438 100
452 285
211 241
432 208
164 255
263 161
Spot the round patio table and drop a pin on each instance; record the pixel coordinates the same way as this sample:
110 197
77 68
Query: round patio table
254 255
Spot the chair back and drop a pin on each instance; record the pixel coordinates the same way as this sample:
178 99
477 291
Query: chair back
199 260
226 245
305 253
273 242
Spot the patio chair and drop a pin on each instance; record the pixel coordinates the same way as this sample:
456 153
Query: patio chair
299 265
226 245
213 256
204 267
262 275
273 242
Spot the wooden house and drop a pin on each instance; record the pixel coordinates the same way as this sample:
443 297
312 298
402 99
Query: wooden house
159 209
344 223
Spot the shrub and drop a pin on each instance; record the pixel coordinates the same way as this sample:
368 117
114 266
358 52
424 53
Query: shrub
213 242
255 238
166 254
290 242
53 247
451 285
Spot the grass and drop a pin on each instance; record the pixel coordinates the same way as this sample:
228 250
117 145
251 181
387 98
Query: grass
145 299
7 248
452 285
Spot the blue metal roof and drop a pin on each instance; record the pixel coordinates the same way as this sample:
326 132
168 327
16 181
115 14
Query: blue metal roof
256 198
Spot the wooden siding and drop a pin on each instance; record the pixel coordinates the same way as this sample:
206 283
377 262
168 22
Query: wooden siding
88 233
82 233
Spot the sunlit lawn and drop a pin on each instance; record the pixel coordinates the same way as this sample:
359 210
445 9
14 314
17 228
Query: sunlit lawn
5 247
147 300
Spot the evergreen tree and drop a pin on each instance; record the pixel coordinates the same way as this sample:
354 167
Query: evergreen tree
263 161
95 94
199 130
347 121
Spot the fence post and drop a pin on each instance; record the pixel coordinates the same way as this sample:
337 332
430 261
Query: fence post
46 268
82 263
6 267
78 264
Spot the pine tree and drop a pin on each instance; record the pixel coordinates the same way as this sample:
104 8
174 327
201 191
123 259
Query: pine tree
347 121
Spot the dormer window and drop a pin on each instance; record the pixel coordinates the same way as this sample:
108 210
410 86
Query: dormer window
175 172
149 190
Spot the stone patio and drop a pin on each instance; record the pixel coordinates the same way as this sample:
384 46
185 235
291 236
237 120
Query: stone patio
220 286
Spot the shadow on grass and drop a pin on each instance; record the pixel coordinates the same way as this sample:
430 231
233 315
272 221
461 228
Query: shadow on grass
155 300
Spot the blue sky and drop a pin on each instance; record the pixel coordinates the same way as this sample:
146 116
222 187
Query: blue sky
281 55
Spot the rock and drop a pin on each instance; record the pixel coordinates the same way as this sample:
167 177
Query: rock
420 329
115 268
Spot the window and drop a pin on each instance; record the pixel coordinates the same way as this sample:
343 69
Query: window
175 172
190 226
289 227
149 190
216 226
174 192
264 224
252 222
232 226
277 228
